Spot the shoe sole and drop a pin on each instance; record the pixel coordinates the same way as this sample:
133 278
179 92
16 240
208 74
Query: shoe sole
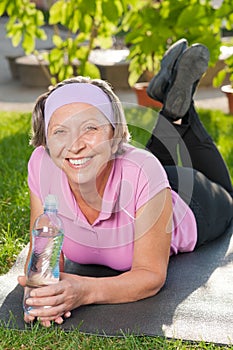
189 69
159 82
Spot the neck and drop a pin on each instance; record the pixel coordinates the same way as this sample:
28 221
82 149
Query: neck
89 196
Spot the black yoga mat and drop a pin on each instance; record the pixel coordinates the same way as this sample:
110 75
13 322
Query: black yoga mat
196 302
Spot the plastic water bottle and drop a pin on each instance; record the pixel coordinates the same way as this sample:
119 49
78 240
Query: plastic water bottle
47 238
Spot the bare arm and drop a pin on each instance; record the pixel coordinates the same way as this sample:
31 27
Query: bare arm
146 277
151 256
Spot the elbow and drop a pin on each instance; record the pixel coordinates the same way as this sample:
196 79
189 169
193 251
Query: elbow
157 281
153 283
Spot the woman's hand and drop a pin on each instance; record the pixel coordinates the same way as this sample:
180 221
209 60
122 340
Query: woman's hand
61 297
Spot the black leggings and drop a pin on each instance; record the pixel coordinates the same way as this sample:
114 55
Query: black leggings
203 180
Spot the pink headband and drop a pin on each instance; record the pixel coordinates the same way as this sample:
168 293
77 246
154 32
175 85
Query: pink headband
78 92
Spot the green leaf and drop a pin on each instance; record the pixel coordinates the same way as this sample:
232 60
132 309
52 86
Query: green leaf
61 74
52 69
133 77
68 15
90 70
228 24
82 52
3 6
63 18
69 71
69 43
28 43
80 38
192 16
40 34
55 55
53 81
91 6
30 9
85 24
14 29
76 19
55 12
112 10
104 42
11 9
57 40
218 79
16 38
39 18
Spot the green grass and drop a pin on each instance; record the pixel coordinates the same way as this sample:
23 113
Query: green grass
14 226
14 196
38 338
54 338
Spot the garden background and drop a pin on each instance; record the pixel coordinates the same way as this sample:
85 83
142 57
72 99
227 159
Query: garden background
16 102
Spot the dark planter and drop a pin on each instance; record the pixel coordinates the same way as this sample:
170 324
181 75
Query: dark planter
113 66
33 73
13 66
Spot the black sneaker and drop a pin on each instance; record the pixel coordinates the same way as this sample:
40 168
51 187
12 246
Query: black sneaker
188 70
160 82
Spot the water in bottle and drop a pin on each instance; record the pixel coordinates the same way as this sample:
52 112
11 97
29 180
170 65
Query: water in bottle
47 237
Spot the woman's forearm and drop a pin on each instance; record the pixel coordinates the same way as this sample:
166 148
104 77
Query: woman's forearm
127 287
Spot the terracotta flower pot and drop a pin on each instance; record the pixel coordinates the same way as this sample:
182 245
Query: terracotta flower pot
142 97
228 90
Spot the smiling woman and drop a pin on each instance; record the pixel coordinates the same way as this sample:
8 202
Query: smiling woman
116 202
80 138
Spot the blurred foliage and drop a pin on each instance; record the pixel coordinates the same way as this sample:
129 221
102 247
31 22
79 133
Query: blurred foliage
152 26
88 24
25 22
228 69
149 28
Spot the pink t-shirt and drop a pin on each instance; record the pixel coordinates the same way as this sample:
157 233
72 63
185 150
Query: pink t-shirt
136 177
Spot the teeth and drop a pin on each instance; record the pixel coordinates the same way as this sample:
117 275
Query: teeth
79 161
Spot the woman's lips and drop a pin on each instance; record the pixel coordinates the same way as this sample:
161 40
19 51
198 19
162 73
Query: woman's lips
80 162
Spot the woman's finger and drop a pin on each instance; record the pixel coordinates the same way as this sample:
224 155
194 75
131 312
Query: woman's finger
45 323
67 314
22 280
28 318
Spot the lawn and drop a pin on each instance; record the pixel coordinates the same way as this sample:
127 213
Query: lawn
14 223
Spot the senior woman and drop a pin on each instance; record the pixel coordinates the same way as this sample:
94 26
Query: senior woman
115 200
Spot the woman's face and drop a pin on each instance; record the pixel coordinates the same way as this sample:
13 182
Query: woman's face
80 140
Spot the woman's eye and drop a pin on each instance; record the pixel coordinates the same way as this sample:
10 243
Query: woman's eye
91 128
59 131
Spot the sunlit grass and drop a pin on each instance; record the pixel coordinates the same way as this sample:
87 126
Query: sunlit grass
14 199
38 338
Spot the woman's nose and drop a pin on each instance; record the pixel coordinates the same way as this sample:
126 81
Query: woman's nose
76 143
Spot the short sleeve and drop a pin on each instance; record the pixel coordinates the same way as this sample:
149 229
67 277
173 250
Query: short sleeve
152 179
34 166
43 174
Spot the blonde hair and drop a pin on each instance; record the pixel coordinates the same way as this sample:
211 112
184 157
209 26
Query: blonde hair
121 132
